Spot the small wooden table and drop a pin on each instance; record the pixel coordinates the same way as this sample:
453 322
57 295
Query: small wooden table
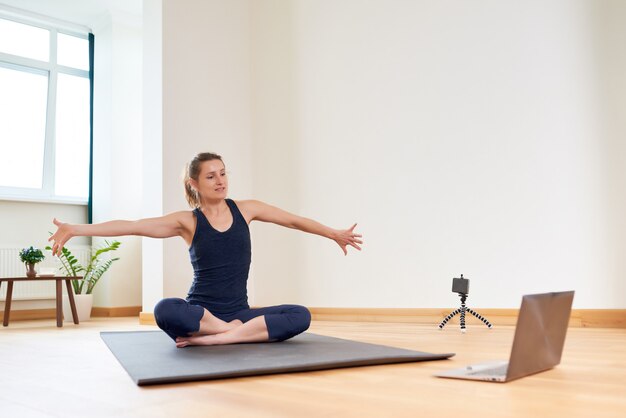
58 279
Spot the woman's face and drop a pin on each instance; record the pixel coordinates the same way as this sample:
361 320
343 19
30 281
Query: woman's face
212 182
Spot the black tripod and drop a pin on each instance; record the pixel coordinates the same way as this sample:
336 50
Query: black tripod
461 311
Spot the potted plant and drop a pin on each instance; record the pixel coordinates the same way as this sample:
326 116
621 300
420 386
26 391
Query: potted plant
91 273
31 256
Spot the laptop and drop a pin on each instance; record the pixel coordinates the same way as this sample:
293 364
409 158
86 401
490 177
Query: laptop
537 345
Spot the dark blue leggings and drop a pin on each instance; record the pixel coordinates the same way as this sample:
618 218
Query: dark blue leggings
179 318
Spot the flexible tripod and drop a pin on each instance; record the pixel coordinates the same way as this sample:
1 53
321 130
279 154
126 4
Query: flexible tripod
461 311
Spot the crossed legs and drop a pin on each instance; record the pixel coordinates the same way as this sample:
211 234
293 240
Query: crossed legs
190 324
231 332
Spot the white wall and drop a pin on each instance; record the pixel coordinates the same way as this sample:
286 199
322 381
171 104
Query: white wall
464 138
277 252
28 223
117 150
610 63
152 161
483 139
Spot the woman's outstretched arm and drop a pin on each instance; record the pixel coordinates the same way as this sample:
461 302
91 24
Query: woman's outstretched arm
162 227
257 210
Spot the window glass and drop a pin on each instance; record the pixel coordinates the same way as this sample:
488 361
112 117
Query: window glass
72 136
73 52
22 127
24 40
44 112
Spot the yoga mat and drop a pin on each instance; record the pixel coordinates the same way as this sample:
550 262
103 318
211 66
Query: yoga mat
151 357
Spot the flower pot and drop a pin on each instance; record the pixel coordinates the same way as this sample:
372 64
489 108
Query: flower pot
30 270
83 307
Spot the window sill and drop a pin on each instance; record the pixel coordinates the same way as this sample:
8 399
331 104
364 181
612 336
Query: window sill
36 199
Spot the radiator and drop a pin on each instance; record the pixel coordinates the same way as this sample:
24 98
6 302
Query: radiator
11 266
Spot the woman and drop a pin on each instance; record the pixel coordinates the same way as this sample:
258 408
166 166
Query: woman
216 310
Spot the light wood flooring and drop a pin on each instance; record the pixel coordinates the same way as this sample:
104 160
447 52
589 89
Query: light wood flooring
69 372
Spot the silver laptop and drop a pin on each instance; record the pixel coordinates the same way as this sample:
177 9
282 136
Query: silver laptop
537 345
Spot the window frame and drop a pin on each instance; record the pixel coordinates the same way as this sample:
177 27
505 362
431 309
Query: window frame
15 62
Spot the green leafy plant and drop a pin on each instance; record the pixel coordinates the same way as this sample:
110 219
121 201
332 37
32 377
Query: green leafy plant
31 255
92 272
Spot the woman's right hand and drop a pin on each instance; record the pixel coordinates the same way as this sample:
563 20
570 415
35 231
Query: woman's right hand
63 234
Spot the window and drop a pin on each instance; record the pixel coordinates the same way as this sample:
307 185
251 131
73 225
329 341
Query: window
45 112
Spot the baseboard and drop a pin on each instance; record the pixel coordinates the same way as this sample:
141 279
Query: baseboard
115 312
27 314
146 318
593 318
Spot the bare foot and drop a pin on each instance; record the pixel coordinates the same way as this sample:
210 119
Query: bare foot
197 340
254 330
206 339
210 325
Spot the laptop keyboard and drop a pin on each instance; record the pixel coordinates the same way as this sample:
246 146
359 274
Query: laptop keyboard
494 371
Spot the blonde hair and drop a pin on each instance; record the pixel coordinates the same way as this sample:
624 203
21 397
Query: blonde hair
192 171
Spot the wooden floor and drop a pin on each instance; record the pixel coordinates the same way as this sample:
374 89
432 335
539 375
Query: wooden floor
69 372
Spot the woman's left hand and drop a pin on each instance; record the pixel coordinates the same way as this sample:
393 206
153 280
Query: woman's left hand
347 237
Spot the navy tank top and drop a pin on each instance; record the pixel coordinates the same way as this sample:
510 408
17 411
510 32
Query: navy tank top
221 262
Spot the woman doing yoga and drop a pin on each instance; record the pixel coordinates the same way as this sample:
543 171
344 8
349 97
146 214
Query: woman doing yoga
216 310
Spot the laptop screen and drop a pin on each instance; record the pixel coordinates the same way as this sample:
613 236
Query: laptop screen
540 333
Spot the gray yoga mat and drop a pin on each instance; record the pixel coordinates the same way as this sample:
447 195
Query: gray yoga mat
150 357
